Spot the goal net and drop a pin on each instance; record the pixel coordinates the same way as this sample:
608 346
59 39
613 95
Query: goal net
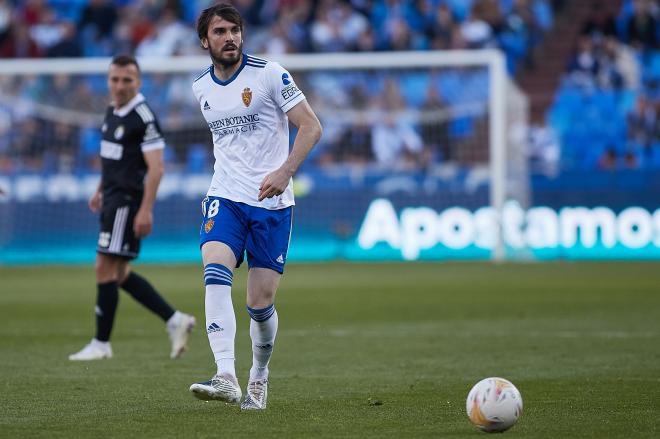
419 154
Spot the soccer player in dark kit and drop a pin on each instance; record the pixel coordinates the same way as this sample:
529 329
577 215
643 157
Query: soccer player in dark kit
132 162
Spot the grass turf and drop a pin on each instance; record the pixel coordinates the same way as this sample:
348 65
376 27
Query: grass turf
368 350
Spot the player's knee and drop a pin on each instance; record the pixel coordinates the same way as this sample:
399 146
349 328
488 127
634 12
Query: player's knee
217 274
123 270
261 314
105 269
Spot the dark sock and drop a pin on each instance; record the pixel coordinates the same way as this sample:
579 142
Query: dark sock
143 292
106 305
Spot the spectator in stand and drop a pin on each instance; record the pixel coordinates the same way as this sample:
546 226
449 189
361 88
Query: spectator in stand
63 144
544 149
434 126
32 12
440 30
618 66
395 143
29 144
643 129
366 41
491 13
642 26
526 33
600 23
168 37
476 32
583 67
326 31
19 43
399 35
101 17
608 160
354 144
68 45
48 31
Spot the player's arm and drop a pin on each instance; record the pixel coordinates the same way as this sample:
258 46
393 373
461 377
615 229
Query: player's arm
309 132
96 200
144 218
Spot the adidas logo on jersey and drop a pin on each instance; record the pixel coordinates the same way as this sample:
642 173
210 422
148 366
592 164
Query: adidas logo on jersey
206 105
213 327
280 259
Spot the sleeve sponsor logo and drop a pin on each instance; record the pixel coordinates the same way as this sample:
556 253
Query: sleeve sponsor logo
290 91
285 79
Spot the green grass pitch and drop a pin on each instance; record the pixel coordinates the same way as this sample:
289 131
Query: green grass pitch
363 350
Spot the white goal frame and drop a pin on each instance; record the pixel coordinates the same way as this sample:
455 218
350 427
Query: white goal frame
493 59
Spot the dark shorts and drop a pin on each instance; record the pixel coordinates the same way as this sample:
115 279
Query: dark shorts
264 234
116 236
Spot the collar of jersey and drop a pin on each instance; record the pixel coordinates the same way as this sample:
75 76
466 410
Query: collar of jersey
123 111
228 81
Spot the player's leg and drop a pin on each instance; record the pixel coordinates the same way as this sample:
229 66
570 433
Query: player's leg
107 267
220 323
267 246
222 240
262 286
178 324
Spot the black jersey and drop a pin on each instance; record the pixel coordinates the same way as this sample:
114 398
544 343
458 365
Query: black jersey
127 133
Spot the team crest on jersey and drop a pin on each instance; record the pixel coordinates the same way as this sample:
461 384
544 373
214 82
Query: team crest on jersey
209 225
119 132
247 96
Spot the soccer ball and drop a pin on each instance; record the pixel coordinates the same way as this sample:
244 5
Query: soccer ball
494 404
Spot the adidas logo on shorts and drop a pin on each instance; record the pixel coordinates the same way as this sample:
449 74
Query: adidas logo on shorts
280 259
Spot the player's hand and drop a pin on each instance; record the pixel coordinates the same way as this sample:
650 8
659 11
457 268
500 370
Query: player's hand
274 183
143 222
95 202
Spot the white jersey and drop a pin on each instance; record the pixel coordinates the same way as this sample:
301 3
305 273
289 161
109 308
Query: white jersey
247 118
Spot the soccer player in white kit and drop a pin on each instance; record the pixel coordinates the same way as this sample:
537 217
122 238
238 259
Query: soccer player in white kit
247 103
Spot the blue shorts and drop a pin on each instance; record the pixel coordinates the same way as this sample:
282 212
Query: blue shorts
263 233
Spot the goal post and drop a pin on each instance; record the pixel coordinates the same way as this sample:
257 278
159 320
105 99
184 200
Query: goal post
494 139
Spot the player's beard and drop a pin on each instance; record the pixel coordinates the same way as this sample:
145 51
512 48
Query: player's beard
226 61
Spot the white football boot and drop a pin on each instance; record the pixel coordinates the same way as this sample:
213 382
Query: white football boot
219 388
179 330
94 350
256 395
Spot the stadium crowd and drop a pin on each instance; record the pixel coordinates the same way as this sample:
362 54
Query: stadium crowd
616 54
614 75
37 28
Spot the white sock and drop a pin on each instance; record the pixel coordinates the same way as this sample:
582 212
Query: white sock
263 338
221 327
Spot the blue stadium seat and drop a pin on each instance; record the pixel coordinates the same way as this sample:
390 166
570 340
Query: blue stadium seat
68 9
654 159
197 158
461 127
413 88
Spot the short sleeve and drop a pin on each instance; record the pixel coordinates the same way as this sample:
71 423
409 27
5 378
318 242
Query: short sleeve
283 88
153 139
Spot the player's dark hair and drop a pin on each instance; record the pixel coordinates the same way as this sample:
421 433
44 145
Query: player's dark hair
124 60
222 10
